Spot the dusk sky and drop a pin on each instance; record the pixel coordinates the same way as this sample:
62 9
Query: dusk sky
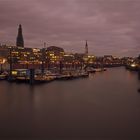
110 26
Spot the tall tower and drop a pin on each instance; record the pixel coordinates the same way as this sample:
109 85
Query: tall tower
86 48
20 41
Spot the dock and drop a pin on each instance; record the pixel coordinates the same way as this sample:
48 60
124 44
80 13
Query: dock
29 77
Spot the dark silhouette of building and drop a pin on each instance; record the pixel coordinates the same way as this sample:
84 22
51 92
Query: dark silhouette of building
54 49
86 48
20 41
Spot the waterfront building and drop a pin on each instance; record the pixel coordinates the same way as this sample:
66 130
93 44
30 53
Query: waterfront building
89 59
54 57
68 60
4 51
20 40
55 54
24 57
26 54
109 59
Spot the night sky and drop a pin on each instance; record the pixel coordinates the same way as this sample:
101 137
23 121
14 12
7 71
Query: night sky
110 26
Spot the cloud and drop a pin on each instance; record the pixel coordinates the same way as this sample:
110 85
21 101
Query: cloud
110 26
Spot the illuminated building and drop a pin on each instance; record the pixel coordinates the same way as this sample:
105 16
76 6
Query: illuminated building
89 59
24 55
55 54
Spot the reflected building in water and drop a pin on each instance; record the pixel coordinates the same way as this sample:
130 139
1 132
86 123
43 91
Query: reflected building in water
139 80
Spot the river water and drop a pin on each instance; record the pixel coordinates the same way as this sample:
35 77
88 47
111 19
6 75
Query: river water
104 106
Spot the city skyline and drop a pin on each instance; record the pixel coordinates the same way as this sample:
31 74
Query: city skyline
110 27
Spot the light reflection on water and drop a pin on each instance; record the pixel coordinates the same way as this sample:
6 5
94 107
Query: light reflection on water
104 105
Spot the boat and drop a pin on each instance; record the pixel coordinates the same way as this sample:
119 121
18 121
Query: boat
99 69
22 79
90 70
52 75
64 77
43 79
37 79
3 77
84 75
93 70
72 76
133 67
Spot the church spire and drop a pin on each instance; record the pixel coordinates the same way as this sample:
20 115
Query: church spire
86 48
20 41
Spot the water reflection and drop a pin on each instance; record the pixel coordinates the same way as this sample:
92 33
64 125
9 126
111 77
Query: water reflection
102 105
139 75
139 80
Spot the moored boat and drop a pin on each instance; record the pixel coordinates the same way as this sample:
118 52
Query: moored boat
22 79
84 75
64 77
99 69
3 77
43 79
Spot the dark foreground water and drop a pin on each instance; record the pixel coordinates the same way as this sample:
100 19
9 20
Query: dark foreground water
104 106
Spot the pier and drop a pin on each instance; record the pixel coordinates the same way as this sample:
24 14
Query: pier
31 76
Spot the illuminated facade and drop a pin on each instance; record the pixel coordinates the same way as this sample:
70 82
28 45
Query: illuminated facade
25 55
53 57
55 54
89 59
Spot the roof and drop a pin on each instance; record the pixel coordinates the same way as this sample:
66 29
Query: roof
54 48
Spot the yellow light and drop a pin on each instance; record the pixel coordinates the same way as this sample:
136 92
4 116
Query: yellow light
4 60
36 50
51 54
14 72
